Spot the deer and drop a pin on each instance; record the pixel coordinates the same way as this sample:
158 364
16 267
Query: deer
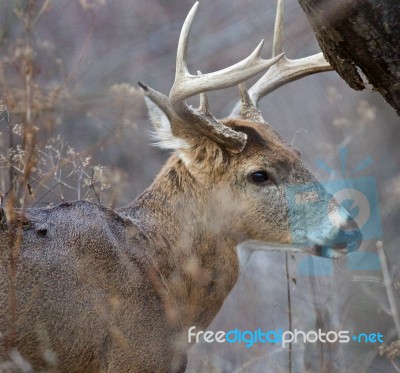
101 290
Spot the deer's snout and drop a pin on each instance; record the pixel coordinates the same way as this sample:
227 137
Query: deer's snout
347 237
319 221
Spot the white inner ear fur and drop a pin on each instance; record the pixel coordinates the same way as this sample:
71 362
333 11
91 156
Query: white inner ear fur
162 134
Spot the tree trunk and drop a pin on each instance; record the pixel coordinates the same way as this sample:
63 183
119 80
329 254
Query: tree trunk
360 37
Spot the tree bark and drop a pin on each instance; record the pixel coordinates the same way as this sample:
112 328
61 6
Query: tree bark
361 40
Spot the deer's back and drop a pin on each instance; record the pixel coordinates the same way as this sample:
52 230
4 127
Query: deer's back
85 299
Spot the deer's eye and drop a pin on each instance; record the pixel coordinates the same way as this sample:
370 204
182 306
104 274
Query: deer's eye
259 177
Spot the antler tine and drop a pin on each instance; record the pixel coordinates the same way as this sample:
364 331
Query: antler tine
285 70
204 107
187 85
181 54
277 46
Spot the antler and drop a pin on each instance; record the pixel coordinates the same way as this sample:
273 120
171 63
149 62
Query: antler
187 85
283 72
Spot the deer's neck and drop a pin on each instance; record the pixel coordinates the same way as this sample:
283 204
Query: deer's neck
190 245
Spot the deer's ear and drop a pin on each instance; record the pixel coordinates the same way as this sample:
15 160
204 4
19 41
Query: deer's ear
162 134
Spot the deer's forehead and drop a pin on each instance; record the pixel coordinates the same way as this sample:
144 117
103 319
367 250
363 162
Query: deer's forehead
264 142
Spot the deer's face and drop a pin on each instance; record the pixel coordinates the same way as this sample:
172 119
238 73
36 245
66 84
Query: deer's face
248 193
280 202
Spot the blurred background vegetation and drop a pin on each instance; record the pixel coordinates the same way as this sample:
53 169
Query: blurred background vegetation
69 102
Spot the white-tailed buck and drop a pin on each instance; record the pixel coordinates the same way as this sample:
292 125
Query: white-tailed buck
102 290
